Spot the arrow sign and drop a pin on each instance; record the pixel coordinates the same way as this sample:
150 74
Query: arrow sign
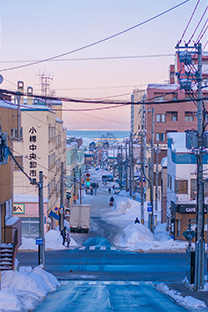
189 233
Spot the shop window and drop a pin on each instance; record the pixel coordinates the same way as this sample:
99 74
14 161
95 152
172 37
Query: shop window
181 186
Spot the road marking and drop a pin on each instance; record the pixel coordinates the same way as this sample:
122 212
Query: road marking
92 283
64 282
135 283
92 247
78 282
113 248
82 248
107 282
103 248
120 283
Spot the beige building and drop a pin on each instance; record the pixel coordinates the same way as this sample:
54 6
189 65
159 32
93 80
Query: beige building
10 232
42 148
136 111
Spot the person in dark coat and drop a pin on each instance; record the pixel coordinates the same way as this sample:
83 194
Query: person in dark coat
63 233
109 190
111 199
137 220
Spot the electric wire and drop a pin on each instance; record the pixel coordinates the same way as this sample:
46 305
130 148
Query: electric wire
96 42
189 22
197 40
197 25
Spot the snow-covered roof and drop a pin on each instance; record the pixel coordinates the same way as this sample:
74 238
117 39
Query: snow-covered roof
169 86
178 141
59 120
164 162
7 105
12 220
72 144
23 198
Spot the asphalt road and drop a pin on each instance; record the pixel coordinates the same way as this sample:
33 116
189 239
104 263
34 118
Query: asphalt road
107 296
103 263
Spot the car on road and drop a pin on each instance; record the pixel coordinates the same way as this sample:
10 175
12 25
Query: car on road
117 190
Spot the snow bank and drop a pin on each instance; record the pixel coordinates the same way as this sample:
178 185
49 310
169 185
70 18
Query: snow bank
187 302
137 237
53 241
23 290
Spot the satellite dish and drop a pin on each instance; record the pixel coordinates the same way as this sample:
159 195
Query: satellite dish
1 79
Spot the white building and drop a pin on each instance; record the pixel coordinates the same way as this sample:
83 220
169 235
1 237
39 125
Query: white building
181 184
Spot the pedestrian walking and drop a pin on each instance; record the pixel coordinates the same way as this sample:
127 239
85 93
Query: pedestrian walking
63 233
91 191
68 239
137 220
109 190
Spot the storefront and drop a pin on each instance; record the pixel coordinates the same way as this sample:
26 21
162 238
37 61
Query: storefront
183 214
26 207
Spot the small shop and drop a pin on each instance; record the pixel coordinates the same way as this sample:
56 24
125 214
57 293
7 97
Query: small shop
183 214
26 207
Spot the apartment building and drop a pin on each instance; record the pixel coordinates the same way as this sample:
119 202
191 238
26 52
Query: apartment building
136 111
42 148
10 227
182 186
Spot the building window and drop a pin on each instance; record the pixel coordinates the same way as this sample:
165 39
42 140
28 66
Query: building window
181 186
160 137
189 116
19 160
160 117
175 97
159 98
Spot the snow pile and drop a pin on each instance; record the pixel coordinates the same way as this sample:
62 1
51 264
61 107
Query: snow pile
53 241
137 237
23 290
187 302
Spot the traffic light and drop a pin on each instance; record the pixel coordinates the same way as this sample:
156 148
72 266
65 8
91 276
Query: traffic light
87 179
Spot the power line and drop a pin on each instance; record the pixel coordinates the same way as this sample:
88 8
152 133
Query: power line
198 25
189 21
93 58
96 42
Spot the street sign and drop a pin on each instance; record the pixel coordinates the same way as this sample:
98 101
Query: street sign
61 211
189 234
54 215
149 208
56 208
39 241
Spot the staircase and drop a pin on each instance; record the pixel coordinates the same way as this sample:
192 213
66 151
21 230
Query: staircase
6 257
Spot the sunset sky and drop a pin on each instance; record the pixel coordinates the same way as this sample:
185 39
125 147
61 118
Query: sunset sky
35 30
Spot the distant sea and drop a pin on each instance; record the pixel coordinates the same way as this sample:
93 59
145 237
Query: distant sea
97 134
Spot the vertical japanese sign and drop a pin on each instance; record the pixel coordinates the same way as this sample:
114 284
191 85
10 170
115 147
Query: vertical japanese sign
32 153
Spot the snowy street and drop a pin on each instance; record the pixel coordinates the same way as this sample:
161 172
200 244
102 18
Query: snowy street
118 265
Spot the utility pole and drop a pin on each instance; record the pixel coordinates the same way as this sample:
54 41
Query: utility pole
130 168
142 165
41 248
200 244
152 172
61 215
156 182
80 185
126 167
75 186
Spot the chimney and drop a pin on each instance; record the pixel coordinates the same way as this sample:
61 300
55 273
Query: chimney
172 74
29 96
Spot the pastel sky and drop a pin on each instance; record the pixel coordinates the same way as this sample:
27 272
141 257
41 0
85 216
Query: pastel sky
35 30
